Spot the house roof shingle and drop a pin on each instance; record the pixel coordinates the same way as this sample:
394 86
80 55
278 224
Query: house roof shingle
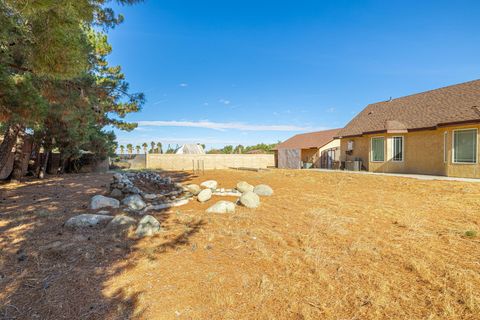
453 104
308 140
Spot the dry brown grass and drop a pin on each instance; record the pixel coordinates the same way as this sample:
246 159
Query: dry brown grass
325 246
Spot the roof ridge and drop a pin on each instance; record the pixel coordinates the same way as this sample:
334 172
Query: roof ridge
424 92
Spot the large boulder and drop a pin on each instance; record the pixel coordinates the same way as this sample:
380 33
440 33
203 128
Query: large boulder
121 223
87 220
147 227
100 201
263 190
250 199
210 184
193 189
222 207
134 202
243 187
204 195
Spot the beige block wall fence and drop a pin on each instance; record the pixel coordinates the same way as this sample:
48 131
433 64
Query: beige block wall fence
210 161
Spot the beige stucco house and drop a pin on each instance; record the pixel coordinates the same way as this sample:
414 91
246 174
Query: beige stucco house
434 132
317 149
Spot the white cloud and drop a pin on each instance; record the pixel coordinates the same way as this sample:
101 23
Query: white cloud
331 110
224 101
183 85
177 140
223 125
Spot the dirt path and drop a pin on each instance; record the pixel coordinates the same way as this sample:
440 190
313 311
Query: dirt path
326 245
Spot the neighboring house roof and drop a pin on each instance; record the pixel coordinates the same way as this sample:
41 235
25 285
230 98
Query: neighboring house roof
190 149
308 140
458 103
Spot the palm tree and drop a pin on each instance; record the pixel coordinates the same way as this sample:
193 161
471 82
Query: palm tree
153 147
137 147
159 147
145 146
130 148
238 149
122 149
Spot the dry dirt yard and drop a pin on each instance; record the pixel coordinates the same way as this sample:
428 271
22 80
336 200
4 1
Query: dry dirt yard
324 246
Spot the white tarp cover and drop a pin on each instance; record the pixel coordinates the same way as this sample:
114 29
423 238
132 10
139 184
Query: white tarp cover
190 149
289 158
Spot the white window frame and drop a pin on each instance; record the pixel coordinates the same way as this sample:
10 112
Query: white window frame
393 148
445 146
371 149
453 146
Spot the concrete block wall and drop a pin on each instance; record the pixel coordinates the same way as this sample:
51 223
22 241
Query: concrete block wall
210 161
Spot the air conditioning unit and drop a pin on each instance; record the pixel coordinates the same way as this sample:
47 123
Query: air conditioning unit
350 145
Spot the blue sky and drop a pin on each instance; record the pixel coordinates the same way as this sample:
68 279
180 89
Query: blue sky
244 72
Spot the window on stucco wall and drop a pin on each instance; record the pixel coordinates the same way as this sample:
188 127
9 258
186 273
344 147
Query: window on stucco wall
465 146
378 149
397 146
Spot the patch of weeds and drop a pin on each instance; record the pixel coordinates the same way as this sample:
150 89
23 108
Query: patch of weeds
470 234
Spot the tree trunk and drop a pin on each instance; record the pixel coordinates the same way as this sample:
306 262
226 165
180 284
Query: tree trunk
9 140
19 158
43 168
36 153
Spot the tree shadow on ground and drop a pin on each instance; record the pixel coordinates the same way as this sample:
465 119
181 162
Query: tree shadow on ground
50 272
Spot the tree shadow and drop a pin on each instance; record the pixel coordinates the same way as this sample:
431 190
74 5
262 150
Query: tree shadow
50 272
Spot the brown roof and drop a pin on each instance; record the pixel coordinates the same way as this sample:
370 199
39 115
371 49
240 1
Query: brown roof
308 140
453 104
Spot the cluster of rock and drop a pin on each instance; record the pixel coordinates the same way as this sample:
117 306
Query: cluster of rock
249 195
125 192
127 183
147 226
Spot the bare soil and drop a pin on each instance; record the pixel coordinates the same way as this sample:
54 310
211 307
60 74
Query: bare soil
324 246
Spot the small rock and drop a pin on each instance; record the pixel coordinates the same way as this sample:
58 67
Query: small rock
134 202
117 176
250 199
103 212
149 196
210 184
204 195
132 190
116 193
100 201
193 189
222 207
163 206
147 227
263 190
87 221
243 187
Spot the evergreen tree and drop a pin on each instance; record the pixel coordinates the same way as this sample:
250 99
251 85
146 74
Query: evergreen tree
159 147
130 148
145 147
138 148
122 149
55 79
